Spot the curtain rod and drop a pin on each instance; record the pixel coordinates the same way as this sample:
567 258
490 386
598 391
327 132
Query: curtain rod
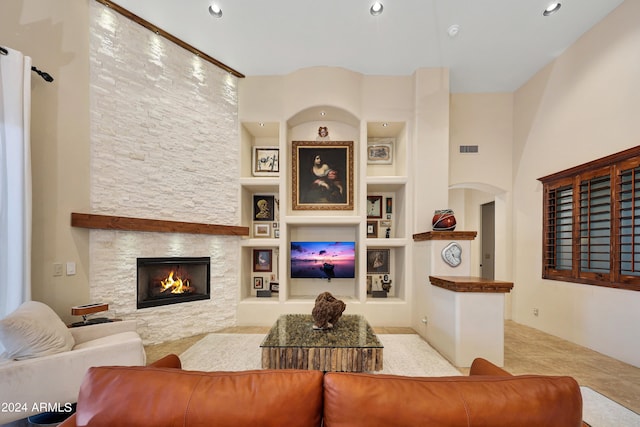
46 76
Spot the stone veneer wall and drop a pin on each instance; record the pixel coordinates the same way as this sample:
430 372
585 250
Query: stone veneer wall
164 145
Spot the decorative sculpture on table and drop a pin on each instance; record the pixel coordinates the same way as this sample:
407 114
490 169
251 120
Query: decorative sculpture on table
327 311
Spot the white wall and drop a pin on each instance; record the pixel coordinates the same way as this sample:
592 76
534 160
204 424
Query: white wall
55 34
581 107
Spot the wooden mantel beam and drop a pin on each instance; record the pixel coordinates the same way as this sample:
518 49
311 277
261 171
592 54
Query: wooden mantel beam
108 222
159 31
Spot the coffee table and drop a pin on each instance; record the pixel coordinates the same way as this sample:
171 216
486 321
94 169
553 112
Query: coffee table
351 346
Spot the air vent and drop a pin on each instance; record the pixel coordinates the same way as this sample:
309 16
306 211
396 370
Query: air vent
468 148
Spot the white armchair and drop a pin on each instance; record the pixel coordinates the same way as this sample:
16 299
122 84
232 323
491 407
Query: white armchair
40 384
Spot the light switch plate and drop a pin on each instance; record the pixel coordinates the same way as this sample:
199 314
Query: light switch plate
71 268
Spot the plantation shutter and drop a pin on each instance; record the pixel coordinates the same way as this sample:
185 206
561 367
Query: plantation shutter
628 197
558 248
595 225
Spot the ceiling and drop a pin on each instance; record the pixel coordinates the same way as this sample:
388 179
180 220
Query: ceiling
499 46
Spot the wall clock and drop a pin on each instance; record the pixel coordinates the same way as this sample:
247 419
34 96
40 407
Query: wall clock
452 254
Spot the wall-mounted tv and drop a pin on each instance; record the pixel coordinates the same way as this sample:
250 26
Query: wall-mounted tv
323 260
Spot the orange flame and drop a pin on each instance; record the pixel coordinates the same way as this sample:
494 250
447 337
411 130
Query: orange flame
175 286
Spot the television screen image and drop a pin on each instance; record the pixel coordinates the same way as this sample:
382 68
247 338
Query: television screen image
323 260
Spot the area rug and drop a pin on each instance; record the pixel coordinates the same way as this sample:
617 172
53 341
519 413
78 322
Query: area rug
599 411
404 354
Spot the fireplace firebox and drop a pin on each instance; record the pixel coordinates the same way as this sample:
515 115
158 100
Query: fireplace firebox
164 281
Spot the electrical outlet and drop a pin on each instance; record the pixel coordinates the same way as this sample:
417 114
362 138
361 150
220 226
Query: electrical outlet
535 312
57 269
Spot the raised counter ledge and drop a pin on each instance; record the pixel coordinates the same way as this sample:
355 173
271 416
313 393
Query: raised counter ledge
471 284
445 235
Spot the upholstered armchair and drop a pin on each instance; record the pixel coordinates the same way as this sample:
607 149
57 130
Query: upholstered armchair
44 361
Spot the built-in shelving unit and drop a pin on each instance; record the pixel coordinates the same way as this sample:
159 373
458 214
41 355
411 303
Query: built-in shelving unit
387 235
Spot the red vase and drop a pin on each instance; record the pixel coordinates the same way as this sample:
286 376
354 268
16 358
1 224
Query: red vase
443 220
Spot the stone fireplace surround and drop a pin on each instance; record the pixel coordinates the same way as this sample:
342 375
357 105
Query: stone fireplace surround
117 242
163 131
113 277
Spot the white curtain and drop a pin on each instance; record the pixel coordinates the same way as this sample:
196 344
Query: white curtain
15 180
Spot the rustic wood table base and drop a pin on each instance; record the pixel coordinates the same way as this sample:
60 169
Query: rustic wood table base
351 346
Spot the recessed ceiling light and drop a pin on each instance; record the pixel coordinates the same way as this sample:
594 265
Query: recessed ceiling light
215 10
385 125
261 124
453 30
323 113
376 8
552 8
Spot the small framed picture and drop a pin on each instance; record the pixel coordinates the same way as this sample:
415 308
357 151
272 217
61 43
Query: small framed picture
389 205
262 260
276 234
385 223
380 151
372 228
258 283
274 286
263 207
378 261
374 206
261 230
266 161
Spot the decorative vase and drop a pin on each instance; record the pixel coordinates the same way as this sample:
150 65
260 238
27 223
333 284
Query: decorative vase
443 220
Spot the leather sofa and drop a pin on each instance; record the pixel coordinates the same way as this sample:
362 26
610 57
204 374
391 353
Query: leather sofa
161 395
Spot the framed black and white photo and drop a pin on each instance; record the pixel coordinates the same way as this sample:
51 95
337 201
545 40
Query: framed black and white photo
380 151
266 161
378 261
258 283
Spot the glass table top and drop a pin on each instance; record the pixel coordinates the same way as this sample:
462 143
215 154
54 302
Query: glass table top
296 330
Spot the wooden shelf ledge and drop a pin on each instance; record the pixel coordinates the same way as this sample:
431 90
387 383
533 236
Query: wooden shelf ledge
109 222
445 235
471 284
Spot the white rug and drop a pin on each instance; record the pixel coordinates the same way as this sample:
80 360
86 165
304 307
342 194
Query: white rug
403 355
599 411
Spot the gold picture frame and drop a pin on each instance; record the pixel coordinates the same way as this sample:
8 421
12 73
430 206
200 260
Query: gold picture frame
322 174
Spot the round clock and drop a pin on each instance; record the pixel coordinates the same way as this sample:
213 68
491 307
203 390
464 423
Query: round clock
452 254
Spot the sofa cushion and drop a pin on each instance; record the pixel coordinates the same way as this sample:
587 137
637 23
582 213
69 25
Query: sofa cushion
353 400
34 330
111 396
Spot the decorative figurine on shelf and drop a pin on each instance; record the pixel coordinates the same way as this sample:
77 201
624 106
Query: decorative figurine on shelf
386 283
327 311
323 133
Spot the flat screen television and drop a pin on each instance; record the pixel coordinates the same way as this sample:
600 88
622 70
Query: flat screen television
323 260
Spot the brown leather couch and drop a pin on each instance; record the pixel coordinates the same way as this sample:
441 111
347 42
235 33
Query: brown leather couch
161 395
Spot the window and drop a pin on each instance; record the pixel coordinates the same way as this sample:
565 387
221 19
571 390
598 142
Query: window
591 228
